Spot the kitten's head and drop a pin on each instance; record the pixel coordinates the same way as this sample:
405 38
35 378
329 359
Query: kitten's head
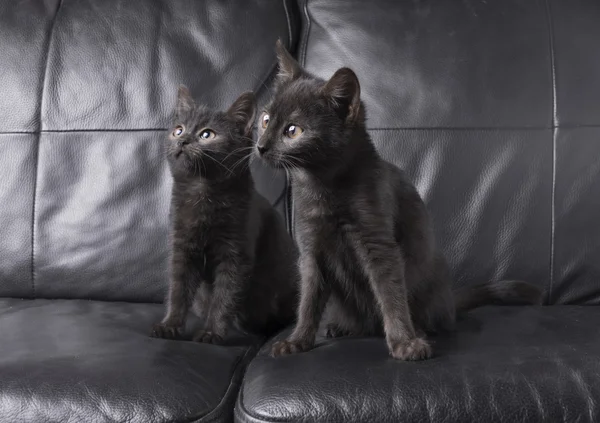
207 143
309 121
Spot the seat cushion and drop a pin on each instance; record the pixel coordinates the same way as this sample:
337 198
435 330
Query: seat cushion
87 361
509 364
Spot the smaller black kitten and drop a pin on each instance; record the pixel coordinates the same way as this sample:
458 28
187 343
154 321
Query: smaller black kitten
229 250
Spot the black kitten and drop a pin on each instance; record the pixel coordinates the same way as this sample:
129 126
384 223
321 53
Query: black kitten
366 244
229 249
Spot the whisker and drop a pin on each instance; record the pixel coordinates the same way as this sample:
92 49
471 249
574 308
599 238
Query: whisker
219 163
242 160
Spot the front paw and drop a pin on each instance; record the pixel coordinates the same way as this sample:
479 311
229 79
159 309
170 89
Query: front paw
161 330
411 350
208 337
290 347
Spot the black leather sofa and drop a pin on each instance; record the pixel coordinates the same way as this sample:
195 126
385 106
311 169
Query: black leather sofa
492 107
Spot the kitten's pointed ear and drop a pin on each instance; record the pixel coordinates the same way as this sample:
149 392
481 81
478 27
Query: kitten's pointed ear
343 93
243 111
289 69
185 102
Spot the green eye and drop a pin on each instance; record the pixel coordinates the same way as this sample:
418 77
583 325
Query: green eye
293 131
207 134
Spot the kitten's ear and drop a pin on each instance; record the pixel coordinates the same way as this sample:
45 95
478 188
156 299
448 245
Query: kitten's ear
289 69
243 111
185 102
343 92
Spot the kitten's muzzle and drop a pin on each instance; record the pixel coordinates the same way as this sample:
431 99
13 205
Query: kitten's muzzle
262 149
179 148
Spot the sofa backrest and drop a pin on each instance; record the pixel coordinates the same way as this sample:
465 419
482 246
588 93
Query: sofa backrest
493 109
87 92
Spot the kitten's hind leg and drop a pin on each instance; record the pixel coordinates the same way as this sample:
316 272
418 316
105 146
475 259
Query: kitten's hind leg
334 330
341 320
202 302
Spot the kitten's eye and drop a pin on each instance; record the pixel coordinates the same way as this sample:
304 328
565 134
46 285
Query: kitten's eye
265 120
293 131
178 131
207 134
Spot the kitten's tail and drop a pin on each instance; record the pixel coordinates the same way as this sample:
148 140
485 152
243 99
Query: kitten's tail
500 293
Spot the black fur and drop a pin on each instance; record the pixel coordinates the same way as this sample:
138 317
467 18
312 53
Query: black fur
367 254
229 249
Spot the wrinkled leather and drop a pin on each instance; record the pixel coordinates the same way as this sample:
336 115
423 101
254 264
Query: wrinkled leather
87 361
577 236
577 137
88 90
17 176
24 38
422 64
503 364
490 217
576 61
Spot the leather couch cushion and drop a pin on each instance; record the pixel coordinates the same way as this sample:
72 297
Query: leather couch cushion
88 88
85 361
509 364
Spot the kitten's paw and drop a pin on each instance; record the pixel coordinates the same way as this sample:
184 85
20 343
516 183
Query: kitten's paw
411 350
290 347
160 330
208 337
334 331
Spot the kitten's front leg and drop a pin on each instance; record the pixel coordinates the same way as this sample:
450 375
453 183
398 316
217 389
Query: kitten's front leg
182 289
314 294
231 275
384 265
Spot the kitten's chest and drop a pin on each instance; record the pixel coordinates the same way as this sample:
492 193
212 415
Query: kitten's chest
320 223
197 220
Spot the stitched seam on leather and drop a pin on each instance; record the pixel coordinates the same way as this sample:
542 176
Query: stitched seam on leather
234 380
289 23
35 176
554 135
459 128
407 128
301 53
86 298
286 194
37 151
263 80
306 33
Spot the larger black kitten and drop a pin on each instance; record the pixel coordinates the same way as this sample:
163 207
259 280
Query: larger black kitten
366 243
229 249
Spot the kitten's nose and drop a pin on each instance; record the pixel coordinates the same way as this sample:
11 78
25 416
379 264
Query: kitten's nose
262 149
